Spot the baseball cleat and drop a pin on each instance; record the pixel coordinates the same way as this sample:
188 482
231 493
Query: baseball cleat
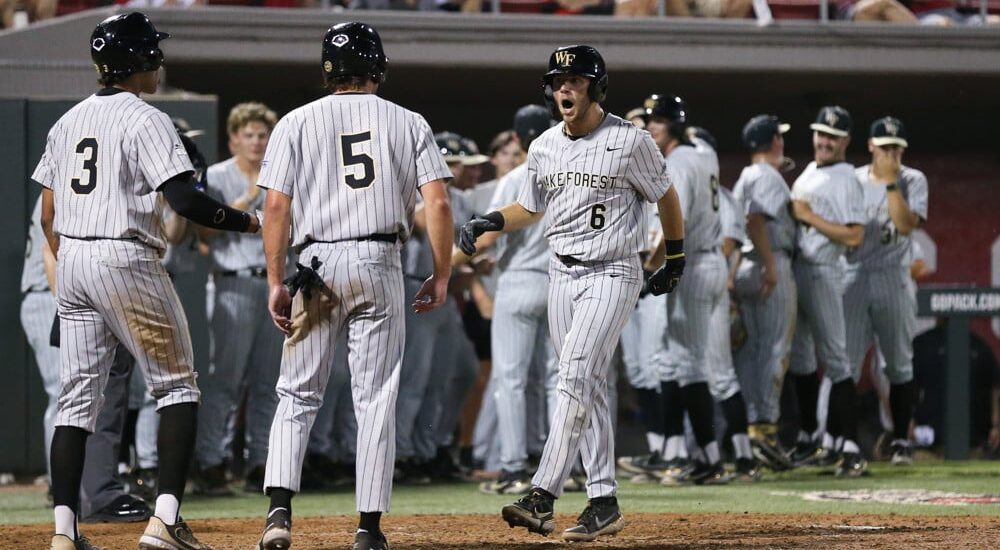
810 453
277 533
509 483
852 465
62 542
747 469
161 536
764 443
124 509
902 453
679 473
366 540
601 517
533 511
642 464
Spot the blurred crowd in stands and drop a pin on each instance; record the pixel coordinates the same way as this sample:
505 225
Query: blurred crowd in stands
925 12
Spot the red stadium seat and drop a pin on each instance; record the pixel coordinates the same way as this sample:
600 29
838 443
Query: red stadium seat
794 9
527 6
66 7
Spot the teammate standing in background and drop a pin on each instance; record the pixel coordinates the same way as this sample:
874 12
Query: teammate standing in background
246 348
105 161
348 195
694 171
589 177
764 284
879 302
828 203
520 325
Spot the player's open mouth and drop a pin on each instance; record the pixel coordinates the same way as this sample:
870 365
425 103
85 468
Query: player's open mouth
567 104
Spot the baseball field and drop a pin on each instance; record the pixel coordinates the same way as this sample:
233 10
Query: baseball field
955 504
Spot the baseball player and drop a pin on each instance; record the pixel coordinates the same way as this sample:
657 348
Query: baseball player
764 284
520 325
105 161
879 301
370 163
246 348
588 177
436 371
828 203
694 170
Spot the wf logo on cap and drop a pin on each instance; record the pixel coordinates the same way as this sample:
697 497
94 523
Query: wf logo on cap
340 40
831 118
650 103
891 128
565 58
98 44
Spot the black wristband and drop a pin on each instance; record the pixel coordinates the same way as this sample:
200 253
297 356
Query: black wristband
496 218
892 187
675 248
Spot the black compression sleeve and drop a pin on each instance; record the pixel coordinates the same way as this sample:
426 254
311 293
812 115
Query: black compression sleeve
198 207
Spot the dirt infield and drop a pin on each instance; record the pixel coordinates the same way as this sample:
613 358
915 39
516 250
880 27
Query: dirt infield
652 531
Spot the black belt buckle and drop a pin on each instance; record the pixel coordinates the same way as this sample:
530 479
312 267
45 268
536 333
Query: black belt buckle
569 261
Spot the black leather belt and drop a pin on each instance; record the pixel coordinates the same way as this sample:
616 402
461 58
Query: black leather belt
248 272
380 237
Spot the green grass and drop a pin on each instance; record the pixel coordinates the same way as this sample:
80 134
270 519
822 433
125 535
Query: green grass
778 493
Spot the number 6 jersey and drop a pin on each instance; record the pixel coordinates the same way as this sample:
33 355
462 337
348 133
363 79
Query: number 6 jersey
352 164
593 189
104 161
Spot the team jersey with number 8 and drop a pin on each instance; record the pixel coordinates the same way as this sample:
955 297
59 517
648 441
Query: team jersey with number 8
354 161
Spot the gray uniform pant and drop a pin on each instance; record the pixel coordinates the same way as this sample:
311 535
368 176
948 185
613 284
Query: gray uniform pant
422 334
820 322
689 309
589 305
37 311
644 343
147 425
722 382
881 303
520 334
246 353
454 369
769 322
100 483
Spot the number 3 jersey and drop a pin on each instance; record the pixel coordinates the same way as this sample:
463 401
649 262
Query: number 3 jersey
884 246
594 189
104 161
352 164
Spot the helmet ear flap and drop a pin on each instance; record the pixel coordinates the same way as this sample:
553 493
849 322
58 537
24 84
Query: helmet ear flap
550 99
598 89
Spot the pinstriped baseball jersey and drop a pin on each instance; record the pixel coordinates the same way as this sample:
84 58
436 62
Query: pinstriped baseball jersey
592 188
355 162
695 174
834 193
527 249
33 277
104 160
762 190
733 224
884 246
234 251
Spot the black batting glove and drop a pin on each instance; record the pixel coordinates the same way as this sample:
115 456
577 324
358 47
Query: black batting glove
665 279
646 274
477 226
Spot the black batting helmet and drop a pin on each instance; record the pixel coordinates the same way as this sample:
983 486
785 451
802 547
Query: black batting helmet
579 60
671 108
354 49
125 44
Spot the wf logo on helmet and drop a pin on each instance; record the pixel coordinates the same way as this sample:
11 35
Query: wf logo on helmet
565 58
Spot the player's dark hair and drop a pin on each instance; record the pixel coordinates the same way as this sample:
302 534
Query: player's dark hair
109 80
500 141
350 82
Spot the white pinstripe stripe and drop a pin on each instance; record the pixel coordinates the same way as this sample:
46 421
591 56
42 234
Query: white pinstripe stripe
690 308
820 321
879 303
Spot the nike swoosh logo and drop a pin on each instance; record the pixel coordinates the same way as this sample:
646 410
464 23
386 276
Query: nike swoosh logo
615 149
605 523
